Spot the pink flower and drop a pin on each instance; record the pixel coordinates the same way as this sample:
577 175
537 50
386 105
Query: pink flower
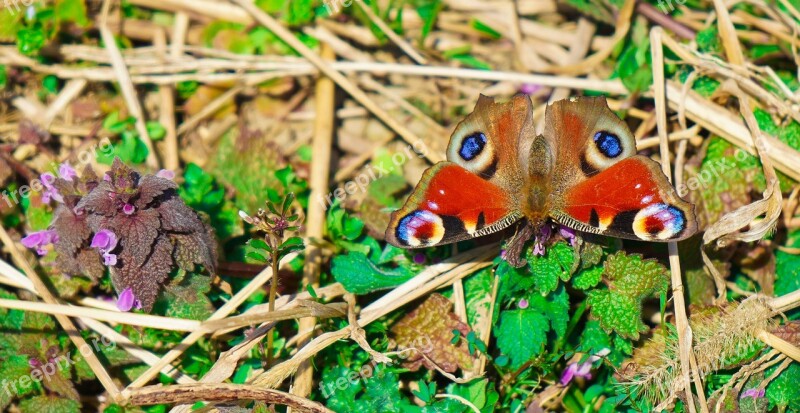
568 234
166 174
39 240
582 369
127 300
523 304
67 172
538 248
754 393
50 192
128 209
529 88
105 241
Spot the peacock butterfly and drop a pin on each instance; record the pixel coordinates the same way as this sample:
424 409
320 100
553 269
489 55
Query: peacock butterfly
583 172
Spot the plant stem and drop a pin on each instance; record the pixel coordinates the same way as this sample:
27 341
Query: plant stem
273 290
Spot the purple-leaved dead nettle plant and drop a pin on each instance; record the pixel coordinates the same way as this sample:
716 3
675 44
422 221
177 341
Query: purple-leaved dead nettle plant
136 225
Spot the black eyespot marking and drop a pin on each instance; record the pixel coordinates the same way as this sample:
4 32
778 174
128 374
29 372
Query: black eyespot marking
608 144
472 146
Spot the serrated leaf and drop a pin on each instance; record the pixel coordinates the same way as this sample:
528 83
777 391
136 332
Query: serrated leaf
429 327
521 335
588 278
555 264
616 312
49 404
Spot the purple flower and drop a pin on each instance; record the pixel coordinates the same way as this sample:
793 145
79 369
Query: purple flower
39 240
128 209
50 192
755 393
582 369
166 174
568 234
529 88
67 172
127 300
538 248
107 177
419 258
34 362
105 241
523 304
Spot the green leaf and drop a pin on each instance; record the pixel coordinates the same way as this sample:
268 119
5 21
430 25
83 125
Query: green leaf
426 392
556 263
588 278
630 279
634 276
485 29
72 11
186 298
521 335
156 130
31 40
49 404
617 312
360 276
784 392
787 267
428 11
12 369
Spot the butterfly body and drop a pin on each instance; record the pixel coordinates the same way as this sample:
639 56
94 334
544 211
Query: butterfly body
582 172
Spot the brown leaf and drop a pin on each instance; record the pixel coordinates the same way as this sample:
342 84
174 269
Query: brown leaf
429 328
136 233
145 281
73 231
151 187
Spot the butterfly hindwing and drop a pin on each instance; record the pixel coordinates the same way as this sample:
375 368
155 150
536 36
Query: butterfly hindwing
630 199
450 204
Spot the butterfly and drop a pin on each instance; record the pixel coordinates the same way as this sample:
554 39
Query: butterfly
582 172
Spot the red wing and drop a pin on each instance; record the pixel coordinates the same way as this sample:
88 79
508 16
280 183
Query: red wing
630 199
450 204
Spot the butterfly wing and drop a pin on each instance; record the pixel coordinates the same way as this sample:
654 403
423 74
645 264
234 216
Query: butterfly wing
449 204
473 192
601 186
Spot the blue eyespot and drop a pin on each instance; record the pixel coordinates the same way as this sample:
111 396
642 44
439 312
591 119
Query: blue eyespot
608 143
472 146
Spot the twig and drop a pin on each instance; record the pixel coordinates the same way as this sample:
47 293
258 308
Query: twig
322 143
189 393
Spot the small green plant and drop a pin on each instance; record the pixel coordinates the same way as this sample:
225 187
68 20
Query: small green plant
275 222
